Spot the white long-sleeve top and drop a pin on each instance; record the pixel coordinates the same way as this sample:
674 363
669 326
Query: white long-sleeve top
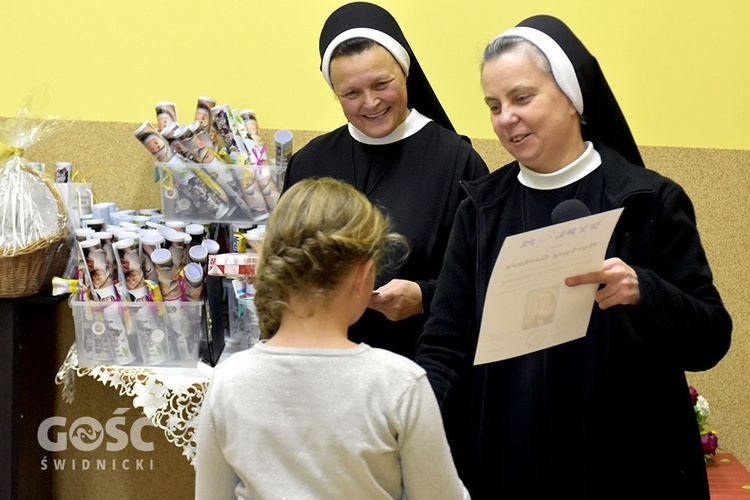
294 423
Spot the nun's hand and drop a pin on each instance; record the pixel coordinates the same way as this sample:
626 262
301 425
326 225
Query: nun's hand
620 284
397 299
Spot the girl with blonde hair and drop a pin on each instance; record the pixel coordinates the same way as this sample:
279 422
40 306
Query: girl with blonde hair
307 413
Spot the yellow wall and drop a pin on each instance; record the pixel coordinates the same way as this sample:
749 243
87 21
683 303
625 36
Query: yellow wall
679 68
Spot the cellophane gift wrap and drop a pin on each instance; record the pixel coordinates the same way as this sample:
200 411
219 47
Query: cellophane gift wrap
34 244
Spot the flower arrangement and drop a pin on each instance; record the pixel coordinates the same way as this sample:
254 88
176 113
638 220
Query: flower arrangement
709 438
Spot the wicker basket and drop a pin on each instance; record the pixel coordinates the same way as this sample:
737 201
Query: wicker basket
30 269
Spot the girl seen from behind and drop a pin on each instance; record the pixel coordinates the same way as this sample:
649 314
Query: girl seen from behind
306 413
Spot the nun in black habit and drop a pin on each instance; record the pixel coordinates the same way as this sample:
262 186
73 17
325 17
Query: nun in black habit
608 415
400 149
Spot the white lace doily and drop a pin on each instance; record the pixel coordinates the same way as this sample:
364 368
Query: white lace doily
170 397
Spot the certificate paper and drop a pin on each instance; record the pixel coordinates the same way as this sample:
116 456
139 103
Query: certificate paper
528 306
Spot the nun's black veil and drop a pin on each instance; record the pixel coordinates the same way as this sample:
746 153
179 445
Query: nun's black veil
366 15
603 116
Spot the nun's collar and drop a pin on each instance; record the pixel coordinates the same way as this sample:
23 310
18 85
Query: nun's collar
413 124
575 171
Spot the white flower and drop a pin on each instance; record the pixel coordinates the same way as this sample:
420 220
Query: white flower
702 406
149 396
104 375
173 422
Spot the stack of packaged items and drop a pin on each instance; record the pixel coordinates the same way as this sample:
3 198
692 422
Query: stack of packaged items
216 168
138 295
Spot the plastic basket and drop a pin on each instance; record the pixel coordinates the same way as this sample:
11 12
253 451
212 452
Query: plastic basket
138 333
206 193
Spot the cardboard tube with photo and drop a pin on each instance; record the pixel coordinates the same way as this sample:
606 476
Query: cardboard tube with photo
211 245
253 194
149 243
225 110
196 189
99 273
283 139
107 239
222 124
175 243
129 258
82 234
232 187
169 134
157 145
199 255
250 121
204 138
197 231
193 273
187 138
249 187
166 113
168 131
214 169
203 112
168 277
269 185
